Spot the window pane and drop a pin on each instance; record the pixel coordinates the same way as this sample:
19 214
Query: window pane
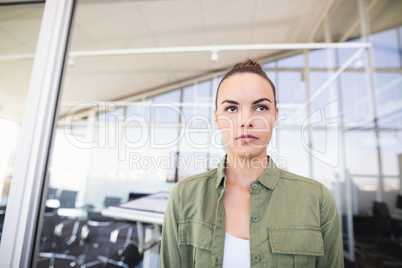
322 58
361 153
391 148
356 100
389 99
291 88
292 62
19 32
292 156
385 49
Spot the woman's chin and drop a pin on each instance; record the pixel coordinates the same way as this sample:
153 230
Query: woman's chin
247 152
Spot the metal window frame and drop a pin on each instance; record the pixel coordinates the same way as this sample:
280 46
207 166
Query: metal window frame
32 158
196 49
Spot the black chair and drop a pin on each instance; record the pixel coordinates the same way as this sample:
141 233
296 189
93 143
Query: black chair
399 202
382 219
48 237
60 245
67 199
110 201
52 193
95 236
111 245
124 246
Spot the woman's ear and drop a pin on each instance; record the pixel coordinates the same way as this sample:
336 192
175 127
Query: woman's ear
216 119
276 116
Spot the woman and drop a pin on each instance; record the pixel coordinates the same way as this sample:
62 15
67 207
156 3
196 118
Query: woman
247 212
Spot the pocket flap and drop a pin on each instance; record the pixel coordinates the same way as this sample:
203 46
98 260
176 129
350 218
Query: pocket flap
297 242
196 234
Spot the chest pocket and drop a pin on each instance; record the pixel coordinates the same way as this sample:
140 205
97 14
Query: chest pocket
296 247
195 241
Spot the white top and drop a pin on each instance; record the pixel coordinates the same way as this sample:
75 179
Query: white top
236 252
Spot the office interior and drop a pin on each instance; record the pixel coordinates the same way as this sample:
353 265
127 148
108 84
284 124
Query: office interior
104 102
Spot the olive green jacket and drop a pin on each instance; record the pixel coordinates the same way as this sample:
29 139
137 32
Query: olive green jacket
294 222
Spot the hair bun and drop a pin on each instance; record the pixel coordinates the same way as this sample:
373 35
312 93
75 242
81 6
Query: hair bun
248 63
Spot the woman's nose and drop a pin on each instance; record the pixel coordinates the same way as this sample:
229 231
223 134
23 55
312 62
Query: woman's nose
247 120
249 124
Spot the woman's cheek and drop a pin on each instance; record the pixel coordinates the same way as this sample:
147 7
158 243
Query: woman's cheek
226 133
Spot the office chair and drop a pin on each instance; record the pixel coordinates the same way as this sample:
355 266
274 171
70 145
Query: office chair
124 247
398 222
60 242
67 199
399 202
52 193
382 219
95 237
111 245
48 238
110 201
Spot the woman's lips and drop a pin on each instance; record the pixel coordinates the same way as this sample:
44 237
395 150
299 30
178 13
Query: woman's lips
247 138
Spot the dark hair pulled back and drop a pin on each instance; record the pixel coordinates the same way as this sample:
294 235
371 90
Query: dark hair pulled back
247 66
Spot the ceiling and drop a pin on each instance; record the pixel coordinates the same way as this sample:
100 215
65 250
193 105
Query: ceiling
115 25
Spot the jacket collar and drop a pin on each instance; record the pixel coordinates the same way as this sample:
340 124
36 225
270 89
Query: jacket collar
269 178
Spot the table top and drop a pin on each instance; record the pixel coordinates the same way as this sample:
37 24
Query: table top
148 209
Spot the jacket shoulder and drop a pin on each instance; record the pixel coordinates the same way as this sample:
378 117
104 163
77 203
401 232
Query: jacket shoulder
286 175
199 177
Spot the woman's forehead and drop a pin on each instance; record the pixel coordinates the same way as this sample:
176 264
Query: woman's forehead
245 87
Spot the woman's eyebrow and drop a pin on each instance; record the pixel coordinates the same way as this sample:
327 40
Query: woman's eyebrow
262 99
254 102
231 101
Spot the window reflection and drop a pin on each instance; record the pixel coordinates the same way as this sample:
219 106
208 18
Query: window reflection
145 145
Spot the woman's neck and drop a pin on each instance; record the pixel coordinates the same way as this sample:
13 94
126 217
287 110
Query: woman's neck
244 170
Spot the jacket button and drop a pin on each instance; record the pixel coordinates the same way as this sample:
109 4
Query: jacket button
256 258
255 219
254 186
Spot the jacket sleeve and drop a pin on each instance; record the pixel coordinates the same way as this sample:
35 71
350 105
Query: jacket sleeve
331 233
170 253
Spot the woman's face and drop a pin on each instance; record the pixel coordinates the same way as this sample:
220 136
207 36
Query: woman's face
246 114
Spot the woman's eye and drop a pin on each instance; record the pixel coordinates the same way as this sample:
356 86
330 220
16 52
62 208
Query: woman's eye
262 108
230 109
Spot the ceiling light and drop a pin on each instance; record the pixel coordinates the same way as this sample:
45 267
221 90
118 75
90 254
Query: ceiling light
71 61
214 56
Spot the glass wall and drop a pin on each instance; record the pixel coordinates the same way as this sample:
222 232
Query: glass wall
19 31
132 124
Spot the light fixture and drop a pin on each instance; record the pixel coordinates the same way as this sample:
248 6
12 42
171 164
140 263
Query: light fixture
214 56
71 61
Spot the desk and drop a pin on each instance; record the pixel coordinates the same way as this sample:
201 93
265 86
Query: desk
148 210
